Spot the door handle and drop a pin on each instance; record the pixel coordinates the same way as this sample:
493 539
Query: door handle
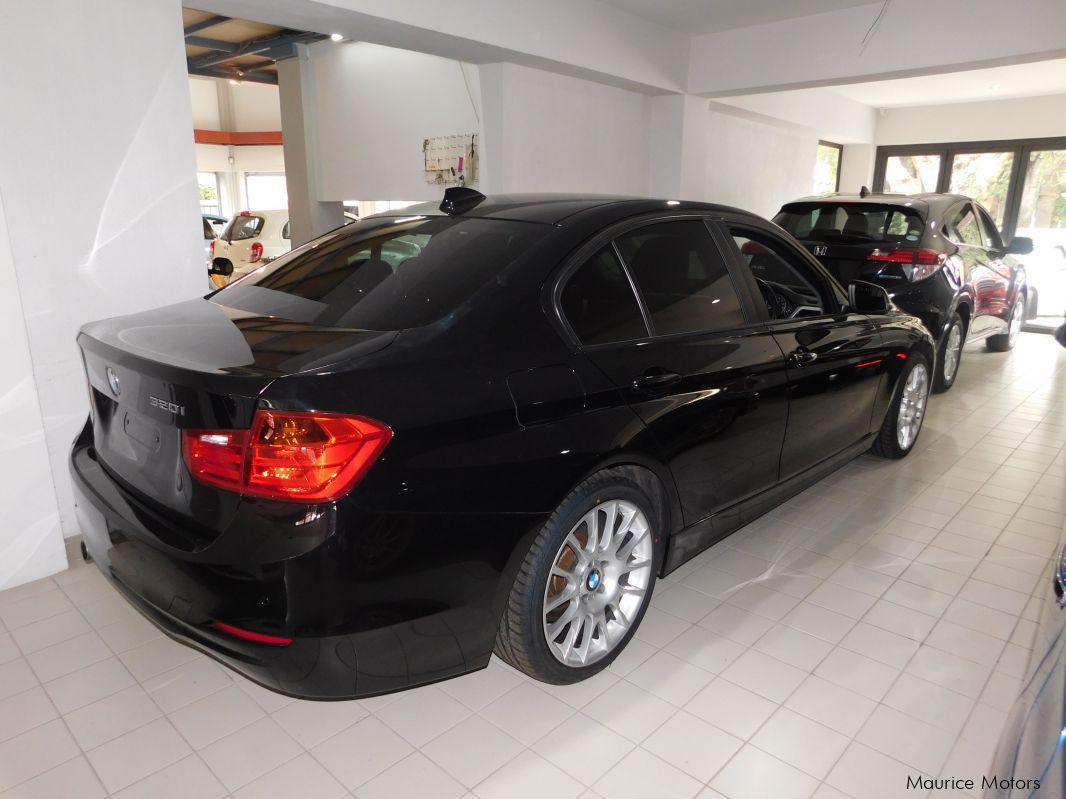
802 356
655 380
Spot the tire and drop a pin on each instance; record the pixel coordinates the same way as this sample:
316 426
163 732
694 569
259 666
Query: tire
1006 341
592 583
949 356
890 441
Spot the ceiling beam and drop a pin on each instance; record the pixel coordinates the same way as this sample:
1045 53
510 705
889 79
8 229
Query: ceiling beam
210 22
277 47
212 44
269 78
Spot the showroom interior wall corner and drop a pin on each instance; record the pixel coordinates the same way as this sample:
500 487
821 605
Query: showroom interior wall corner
104 173
757 163
551 132
677 146
31 540
1013 118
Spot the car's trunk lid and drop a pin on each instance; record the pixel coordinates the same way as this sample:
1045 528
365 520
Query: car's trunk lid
196 365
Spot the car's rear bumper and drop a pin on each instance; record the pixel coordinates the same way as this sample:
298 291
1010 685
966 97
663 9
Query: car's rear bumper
352 635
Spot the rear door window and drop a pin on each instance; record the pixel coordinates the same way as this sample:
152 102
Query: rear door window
599 304
682 277
242 228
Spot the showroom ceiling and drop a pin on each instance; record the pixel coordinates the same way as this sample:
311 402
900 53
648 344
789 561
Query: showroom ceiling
995 83
710 16
221 47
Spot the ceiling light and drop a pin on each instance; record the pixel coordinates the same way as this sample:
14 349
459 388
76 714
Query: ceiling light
234 82
336 37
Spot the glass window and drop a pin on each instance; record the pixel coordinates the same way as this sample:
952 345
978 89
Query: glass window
983 177
266 190
911 174
827 168
966 228
846 223
1042 217
785 283
243 227
387 273
599 303
682 277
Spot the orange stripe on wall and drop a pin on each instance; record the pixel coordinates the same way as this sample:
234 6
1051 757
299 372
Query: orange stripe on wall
228 137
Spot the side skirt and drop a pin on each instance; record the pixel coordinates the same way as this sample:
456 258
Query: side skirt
691 541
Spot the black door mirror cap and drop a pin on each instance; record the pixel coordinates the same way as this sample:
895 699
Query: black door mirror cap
1020 245
868 298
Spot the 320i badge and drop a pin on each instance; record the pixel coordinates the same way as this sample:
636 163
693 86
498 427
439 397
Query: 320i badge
488 427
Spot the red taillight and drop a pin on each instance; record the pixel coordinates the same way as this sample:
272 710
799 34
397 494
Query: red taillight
922 263
288 455
752 248
213 246
256 252
248 635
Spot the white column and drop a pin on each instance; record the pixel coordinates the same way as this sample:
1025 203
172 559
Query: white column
309 214
677 147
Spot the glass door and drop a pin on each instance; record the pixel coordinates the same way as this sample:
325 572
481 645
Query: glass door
1042 217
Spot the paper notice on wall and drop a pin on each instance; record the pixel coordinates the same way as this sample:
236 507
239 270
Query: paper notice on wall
451 160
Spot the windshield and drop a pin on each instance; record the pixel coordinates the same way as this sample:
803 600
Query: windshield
384 274
852 223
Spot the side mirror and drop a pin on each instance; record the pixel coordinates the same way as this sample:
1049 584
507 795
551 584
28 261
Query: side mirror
868 298
1020 245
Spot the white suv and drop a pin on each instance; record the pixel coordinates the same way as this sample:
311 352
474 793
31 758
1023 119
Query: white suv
251 239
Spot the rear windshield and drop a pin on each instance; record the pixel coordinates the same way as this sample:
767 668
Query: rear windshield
243 227
384 274
851 223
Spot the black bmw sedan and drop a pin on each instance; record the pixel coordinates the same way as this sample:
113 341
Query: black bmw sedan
940 257
425 437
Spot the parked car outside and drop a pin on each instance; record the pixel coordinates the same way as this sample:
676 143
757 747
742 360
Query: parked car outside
939 256
251 239
435 434
209 241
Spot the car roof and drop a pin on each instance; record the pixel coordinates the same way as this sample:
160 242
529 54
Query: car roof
555 209
923 201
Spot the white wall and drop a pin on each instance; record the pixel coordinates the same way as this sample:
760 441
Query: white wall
832 116
1018 118
550 132
31 541
203 92
373 107
755 163
256 107
101 220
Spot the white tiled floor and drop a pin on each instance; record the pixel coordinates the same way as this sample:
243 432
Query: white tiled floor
873 627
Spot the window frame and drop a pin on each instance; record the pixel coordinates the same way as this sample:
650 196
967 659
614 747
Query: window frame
1022 149
554 285
840 159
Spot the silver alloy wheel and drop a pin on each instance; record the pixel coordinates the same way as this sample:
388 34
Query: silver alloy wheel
912 406
1016 320
952 351
597 583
